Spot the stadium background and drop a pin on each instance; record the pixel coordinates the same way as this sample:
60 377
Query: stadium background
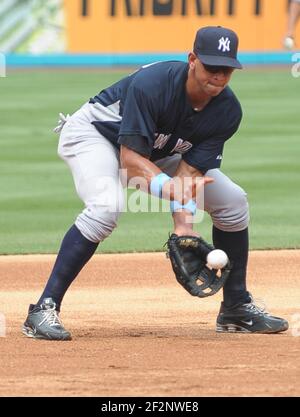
74 48
135 331
107 32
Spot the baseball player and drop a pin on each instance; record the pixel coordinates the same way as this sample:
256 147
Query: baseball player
166 121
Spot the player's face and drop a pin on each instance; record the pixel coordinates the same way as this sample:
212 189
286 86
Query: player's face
210 79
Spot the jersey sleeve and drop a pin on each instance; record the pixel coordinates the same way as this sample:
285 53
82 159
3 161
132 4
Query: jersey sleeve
139 120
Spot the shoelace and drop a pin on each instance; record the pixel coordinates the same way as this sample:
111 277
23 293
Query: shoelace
257 306
50 317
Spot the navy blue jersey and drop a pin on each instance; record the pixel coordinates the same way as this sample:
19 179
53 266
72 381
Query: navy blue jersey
149 112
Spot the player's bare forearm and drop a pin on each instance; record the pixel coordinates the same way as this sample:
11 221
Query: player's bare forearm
138 166
182 188
183 220
183 223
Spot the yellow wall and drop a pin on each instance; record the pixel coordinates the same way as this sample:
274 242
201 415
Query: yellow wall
99 32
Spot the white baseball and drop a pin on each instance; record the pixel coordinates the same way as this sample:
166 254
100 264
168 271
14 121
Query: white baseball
289 43
217 259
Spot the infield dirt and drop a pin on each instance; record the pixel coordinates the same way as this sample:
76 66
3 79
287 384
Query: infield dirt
136 332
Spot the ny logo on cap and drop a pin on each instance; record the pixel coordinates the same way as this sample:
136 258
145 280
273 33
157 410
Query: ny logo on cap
225 44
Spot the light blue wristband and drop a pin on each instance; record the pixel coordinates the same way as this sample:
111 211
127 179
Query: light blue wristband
190 206
157 184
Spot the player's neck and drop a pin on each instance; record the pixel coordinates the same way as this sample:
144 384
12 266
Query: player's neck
198 102
197 97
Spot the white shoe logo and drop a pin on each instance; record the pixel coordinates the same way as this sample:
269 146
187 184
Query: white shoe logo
225 44
250 322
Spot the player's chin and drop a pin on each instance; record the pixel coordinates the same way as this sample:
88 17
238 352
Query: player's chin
214 90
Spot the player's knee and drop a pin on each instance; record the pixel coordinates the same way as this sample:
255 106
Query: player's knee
234 216
96 223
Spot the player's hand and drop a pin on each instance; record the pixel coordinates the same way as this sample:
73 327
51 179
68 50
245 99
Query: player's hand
184 189
61 122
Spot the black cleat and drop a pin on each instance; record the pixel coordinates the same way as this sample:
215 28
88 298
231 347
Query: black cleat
43 322
248 318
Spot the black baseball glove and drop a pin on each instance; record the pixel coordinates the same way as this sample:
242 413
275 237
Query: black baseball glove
188 258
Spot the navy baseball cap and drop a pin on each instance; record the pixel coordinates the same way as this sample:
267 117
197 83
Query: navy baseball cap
215 45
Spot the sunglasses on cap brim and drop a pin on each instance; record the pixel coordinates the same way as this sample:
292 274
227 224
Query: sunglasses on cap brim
214 69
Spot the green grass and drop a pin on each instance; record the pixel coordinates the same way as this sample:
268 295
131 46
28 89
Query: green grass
38 202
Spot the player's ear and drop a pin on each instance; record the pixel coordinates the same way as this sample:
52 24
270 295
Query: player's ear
192 60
